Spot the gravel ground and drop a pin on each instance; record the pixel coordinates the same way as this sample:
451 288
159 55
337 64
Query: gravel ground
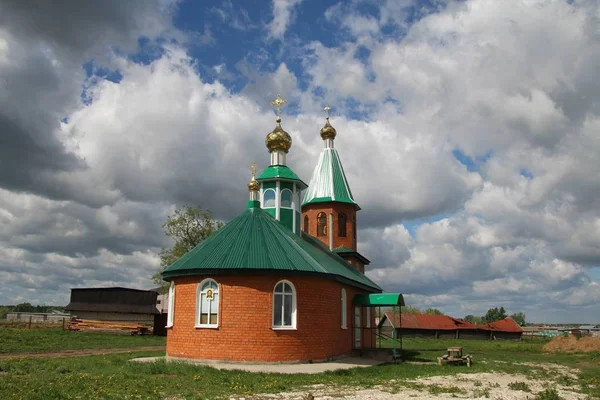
467 386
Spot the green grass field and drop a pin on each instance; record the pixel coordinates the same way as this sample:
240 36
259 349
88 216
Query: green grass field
113 377
17 340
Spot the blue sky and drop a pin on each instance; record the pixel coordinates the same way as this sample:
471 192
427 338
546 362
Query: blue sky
470 148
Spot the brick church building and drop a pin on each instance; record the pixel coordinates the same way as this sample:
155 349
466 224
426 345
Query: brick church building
283 281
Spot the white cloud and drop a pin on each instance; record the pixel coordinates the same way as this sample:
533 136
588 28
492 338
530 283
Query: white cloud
282 17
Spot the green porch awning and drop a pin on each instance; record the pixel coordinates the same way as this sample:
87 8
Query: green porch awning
379 299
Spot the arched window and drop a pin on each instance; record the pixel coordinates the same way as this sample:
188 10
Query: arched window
344 310
321 224
171 305
286 198
342 225
207 304
306 223
269 198
284 306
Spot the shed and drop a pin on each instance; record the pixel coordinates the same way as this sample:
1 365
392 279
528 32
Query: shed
113 304
425 325
504 329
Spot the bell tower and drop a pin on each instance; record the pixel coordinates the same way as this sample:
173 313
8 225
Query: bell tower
328 209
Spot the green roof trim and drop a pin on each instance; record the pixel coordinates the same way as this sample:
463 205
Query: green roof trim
328 182
255 242
379 299
279 172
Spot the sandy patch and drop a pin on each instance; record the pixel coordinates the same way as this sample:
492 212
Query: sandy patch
467 386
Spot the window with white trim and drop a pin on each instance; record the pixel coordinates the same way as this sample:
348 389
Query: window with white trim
286 198
171 305
284 306
207 304
269 198
344 310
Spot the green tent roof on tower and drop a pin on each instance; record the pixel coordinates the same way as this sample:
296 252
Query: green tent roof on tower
281 172
328 182
255 242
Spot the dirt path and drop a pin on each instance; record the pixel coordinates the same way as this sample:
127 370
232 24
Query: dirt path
81 353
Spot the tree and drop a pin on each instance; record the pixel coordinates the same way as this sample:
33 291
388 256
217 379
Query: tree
433 311
495 314
410 310
188 226
519 318
473 319
24 307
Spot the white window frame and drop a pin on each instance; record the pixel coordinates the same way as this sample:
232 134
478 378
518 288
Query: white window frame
291 206
199 305
171 305
344 310
274 198
294 308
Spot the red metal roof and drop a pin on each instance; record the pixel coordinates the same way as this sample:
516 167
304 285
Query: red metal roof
504 325
426 321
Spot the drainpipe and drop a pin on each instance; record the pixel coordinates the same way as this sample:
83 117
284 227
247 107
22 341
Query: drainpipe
331 232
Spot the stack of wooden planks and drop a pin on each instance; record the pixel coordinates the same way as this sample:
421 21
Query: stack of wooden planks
90 325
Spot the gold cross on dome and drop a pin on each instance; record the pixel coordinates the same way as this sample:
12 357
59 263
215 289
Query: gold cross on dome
277 103
326 109
253 166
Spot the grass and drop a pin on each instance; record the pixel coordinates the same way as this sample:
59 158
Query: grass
112 377
22 340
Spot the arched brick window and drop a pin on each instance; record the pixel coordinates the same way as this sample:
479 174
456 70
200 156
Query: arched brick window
342 219
207 304
321 224
306 223
284 306
354 228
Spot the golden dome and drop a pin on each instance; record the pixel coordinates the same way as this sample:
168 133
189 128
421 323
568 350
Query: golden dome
253 186
278 139
328 131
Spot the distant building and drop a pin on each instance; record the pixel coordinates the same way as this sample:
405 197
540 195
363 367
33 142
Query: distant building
53 317
445 327
432 326
505 329
114 304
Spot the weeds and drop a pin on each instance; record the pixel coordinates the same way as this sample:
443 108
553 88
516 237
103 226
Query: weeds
522 386
548 394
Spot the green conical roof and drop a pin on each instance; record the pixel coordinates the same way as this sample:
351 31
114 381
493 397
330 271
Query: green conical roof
328 182
255 242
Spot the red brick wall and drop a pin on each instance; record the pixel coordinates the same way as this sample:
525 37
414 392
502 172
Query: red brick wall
245 321
312 210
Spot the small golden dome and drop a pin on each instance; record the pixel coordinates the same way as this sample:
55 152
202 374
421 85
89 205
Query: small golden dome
328 131
278 139
253 186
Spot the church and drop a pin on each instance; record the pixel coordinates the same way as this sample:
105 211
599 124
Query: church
283 281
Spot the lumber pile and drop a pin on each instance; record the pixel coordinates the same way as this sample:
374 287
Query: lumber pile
90 325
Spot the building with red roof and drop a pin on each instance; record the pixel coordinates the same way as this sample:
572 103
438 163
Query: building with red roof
445 327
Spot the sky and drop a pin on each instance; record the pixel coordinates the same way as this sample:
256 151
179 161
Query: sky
469 132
